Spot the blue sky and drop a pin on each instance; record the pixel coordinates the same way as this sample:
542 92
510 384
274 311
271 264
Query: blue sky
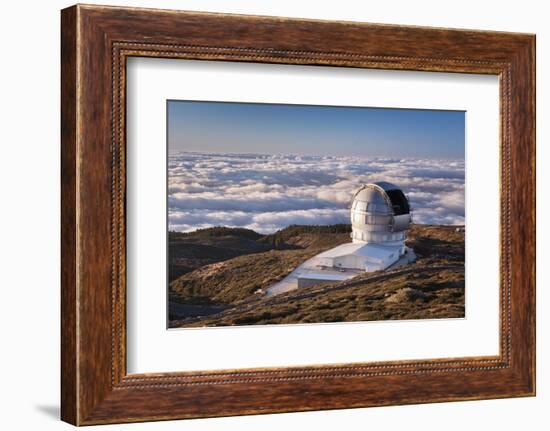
314 130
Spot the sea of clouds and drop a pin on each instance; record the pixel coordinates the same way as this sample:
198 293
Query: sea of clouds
269 192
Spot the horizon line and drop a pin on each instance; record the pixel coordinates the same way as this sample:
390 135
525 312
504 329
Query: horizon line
240 153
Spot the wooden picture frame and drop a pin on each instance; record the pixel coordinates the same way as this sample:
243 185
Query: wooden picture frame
95 43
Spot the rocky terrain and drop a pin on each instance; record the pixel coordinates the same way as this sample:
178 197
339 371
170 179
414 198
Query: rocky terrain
218 277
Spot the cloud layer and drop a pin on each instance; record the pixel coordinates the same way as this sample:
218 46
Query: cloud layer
267 193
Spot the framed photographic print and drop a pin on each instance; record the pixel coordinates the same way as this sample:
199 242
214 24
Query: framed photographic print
267 215
265 238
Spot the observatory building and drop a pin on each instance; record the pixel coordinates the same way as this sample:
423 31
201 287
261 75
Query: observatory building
380 218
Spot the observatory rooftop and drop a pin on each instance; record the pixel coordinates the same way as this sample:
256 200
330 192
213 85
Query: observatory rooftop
380 213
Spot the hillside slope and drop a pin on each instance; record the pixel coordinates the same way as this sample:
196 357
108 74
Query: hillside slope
230 291
188 251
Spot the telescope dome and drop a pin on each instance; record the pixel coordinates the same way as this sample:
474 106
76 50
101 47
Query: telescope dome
380 213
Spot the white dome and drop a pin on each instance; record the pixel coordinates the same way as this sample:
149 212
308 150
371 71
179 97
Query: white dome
380 213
